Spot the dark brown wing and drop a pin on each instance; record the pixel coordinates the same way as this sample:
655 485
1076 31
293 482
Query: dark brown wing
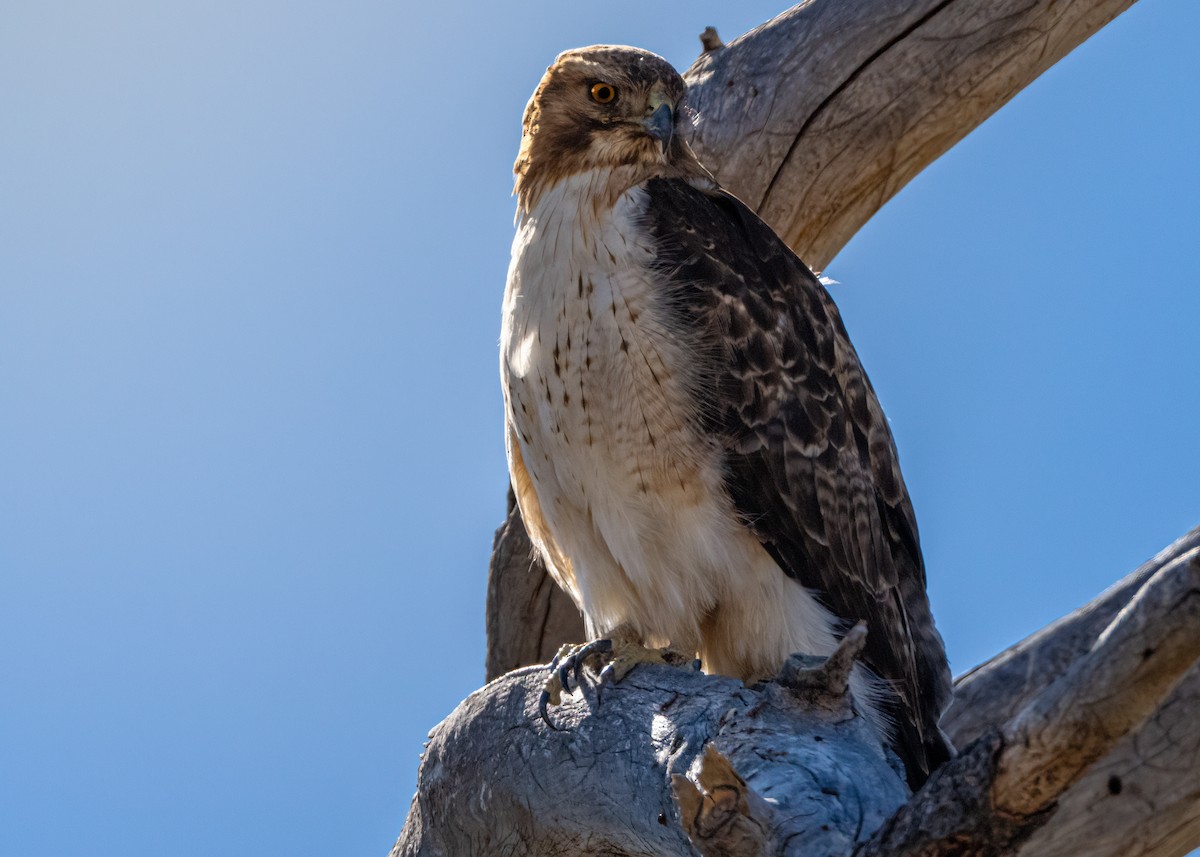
811 465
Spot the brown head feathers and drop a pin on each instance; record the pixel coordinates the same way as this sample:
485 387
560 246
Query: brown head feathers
603 107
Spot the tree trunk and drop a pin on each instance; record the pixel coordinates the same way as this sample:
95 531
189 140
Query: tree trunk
1076 740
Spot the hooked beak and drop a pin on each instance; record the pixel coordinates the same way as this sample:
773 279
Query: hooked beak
661 125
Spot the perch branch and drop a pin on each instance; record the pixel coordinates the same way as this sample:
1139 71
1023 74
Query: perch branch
795 772
671 761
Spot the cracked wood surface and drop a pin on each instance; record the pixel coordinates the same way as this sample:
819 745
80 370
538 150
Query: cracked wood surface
1143 798
674 762
755 769
1029 719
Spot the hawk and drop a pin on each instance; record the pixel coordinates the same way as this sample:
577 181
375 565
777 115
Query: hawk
696 450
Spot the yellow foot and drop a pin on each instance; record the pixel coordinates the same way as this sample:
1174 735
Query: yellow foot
620 653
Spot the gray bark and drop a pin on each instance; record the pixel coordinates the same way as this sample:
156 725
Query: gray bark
822 115
1081 739
1143 798
497 779
674 762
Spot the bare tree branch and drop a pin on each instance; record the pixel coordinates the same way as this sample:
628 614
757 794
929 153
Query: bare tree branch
1111 690
997 689
819 117
1144 797
1000 794
631 772
795 771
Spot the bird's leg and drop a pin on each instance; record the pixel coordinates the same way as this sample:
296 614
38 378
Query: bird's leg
568 663
628 651
621 650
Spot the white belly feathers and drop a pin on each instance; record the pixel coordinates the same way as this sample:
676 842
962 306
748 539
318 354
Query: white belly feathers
598 380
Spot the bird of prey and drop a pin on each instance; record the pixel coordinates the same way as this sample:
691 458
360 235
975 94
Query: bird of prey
696 450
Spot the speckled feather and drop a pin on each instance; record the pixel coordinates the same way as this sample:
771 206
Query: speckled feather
696 451
810 462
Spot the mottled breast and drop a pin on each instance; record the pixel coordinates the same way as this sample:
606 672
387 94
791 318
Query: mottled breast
601 378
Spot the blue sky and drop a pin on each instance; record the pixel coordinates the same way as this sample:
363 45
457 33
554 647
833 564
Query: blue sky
251 263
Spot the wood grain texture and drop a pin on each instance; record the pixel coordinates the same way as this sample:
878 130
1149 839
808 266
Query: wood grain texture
803 775
1143 798
821 116
1106 694
495 779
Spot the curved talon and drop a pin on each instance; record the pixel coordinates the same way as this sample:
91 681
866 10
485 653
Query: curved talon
591 650
621 653
571 667
544 709
606 674
566 668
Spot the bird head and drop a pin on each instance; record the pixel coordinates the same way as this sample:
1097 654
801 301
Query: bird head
605 107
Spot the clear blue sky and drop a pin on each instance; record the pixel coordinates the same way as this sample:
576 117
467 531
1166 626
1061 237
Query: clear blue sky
251 263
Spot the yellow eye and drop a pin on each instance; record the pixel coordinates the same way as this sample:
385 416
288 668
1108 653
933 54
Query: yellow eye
604 93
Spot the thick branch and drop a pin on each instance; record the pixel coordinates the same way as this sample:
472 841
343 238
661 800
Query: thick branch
671 762
821 116
792 772
1141 800
997 689
999 794
1110 691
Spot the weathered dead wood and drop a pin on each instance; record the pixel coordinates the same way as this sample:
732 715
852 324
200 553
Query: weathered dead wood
997 689
1143 798
1110 691
794 772
821 116
670 762
1009 783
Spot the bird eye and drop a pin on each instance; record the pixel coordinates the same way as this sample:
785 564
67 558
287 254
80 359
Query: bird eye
604 93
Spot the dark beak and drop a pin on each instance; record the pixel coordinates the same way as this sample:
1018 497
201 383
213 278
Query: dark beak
661 125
